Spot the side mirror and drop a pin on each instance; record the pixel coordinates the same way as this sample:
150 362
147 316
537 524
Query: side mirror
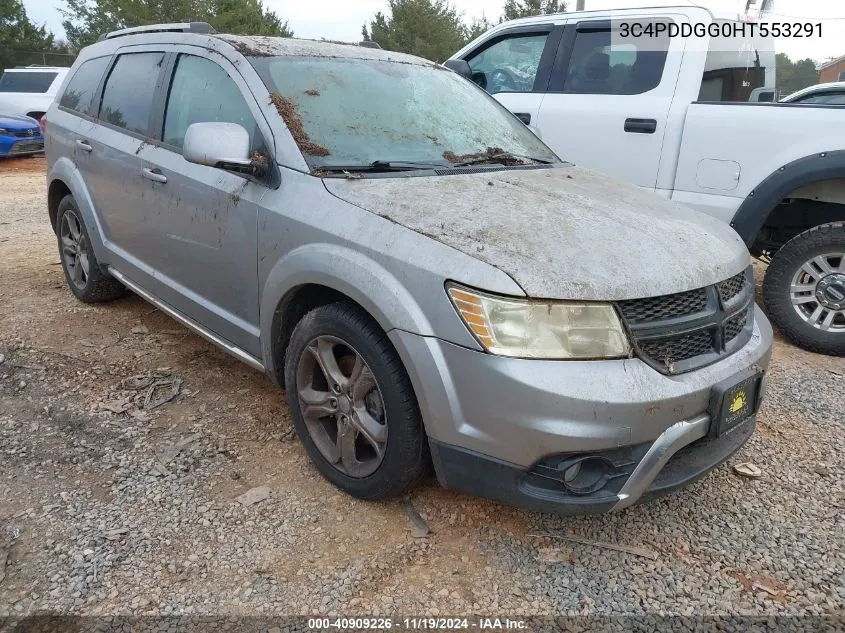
459 66
217 144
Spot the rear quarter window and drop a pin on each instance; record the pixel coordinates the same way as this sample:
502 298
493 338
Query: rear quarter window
28 81
80 91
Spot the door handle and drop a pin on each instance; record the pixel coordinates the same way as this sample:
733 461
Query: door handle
84 146
641 126
524 117
154 174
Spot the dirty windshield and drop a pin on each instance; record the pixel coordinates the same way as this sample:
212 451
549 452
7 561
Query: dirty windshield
359 112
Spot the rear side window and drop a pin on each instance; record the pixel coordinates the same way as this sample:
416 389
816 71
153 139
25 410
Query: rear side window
129 91
736 66
601 63
79 94
201 91
28 81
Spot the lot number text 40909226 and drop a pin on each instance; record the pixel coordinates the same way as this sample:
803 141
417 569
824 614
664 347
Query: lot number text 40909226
414 624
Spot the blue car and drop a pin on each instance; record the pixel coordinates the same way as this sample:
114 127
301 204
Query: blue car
20 135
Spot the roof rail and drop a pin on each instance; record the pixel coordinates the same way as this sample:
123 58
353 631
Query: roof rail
181 27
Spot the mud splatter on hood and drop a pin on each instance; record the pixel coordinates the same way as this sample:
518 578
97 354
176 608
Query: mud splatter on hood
564 233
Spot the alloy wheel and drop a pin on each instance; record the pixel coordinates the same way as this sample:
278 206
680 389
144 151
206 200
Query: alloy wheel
75 249
342 406
817 292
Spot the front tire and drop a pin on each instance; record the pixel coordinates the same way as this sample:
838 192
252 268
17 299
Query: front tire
353 405
804 289
84 276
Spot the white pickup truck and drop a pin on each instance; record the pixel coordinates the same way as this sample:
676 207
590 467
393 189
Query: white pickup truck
672 114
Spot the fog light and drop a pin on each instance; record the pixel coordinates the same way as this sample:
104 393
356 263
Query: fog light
587 475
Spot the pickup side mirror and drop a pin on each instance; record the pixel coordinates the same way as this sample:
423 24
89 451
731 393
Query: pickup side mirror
459 66
217 144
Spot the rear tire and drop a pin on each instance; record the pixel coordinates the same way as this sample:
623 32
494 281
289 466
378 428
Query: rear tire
804 289
86 280
332 409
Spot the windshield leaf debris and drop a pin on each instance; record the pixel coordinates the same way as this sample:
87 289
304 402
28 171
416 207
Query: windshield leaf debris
491 154
312 92
287 110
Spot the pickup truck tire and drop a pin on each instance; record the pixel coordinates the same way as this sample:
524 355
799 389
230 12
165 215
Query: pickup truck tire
85 277
353 405
804 289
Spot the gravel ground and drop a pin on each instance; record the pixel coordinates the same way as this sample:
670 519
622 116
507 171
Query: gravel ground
107 508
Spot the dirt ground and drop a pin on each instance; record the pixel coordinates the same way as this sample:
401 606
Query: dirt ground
106 507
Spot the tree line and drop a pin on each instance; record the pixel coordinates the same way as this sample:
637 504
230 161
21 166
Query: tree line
433 29
430 28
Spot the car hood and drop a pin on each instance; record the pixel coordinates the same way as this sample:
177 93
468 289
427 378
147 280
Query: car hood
16 122
561 233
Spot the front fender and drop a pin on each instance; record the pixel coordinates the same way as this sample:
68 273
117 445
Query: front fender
347 271
66 171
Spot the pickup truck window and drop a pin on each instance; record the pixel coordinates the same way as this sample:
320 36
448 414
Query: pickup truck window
510 64
599 66
736 67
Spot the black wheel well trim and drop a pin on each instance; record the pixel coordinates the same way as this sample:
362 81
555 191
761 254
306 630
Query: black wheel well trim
57 190
756 208
290 309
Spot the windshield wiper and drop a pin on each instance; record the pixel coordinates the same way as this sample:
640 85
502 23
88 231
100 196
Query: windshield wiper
401 165
382 166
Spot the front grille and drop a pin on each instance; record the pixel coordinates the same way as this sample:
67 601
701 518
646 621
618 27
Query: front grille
687 330
735 325
667 306
669 352
730 288
28 133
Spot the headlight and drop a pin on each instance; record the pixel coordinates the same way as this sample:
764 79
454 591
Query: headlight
541 329
5 132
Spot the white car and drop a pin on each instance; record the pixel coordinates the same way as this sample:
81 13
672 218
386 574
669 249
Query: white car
821 94
30 91
672 115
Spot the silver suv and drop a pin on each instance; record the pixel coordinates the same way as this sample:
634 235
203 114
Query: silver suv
428 281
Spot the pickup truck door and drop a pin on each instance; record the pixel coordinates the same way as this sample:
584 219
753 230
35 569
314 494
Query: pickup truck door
609 97
515 66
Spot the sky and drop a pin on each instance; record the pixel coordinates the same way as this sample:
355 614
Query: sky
342 19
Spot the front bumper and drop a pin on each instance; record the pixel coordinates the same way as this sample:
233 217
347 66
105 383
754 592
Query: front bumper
666 465
498 425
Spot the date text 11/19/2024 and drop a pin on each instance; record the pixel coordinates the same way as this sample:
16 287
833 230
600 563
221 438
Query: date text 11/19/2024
422 623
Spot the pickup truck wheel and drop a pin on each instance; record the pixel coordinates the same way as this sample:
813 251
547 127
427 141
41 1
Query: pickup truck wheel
804 289
84 276
353 405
